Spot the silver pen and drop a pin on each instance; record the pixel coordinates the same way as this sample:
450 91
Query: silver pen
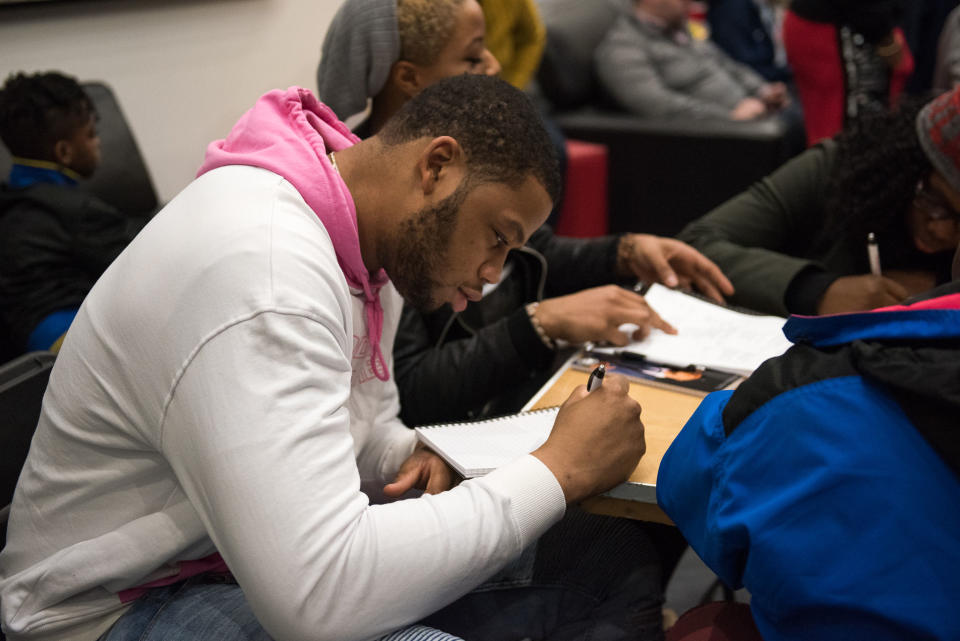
596 377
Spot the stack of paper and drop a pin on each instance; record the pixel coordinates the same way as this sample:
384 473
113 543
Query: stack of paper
708 335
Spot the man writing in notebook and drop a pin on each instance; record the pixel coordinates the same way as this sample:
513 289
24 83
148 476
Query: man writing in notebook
215 430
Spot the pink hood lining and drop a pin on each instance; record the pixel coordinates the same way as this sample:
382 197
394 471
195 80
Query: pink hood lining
290 133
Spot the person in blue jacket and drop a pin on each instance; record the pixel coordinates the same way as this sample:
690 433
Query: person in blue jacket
828 483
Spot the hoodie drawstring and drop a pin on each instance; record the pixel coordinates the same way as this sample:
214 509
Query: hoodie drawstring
374 316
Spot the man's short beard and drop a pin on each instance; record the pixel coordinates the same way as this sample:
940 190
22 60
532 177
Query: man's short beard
420 249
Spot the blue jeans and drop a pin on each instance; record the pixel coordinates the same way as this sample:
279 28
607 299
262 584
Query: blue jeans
589 578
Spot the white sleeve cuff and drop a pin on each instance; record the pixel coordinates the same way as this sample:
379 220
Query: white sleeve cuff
536 498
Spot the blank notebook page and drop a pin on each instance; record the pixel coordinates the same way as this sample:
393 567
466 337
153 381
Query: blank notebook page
478 447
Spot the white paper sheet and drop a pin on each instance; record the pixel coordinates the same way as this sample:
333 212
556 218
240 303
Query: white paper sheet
708 335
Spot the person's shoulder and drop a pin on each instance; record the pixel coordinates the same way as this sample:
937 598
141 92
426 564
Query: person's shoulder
800 366
824 152
626 35
629 25
624 27
826 146
822 155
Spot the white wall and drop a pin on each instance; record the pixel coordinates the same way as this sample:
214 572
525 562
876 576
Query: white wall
183 70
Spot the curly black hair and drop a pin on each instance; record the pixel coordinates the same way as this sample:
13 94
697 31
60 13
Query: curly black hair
38 110
497 126
879 162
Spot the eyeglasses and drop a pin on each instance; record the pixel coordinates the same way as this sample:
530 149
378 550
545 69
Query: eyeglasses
931 203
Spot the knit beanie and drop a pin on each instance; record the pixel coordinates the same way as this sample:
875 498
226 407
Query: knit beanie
361 45
938 128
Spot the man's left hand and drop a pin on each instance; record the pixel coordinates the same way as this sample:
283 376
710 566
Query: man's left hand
671 262
423 470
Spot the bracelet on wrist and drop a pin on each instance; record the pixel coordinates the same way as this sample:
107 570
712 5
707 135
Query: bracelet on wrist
537 327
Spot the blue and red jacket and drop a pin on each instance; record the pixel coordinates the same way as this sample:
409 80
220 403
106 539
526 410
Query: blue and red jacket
828 483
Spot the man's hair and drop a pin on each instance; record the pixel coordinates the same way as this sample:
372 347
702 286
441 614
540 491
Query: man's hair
38 110
425 27
496 125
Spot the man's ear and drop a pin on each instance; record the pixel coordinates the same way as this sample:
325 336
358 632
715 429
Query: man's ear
63 152
407 78
441 163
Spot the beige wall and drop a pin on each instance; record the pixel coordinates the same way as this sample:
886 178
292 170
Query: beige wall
183 71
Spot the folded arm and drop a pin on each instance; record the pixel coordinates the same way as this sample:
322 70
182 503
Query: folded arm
259 435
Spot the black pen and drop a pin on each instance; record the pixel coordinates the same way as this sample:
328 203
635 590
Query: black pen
596 377
640 358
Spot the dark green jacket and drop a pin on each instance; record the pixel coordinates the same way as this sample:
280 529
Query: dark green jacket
766 239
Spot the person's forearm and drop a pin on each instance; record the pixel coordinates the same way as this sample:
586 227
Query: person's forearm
756 236
760 276
265 453
439 384
806 289
574 264
746 237
380 458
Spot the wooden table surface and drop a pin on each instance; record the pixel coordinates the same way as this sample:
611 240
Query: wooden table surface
664 414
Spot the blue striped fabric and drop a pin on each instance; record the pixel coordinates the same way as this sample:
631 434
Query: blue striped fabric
419 633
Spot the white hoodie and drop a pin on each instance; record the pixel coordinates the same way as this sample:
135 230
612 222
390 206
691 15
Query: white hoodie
217 394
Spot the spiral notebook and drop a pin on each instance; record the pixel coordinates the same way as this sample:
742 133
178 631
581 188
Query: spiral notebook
478 447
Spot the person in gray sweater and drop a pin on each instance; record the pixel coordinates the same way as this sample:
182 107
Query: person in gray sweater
650 65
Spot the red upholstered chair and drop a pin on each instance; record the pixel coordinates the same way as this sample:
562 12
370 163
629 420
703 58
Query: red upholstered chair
717 621
814 53
584 210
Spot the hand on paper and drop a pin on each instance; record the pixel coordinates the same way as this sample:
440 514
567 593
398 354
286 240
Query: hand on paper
860 293
596 314
672 263
597 440
423 470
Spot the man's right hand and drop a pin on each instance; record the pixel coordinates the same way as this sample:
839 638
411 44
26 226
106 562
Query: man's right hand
748 109
597 440
860 293
596 314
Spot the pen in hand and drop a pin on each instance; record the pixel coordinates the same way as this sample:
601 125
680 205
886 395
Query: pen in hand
596 377
873 254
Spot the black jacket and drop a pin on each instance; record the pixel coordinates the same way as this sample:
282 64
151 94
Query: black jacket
874 19
55 241
488 360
